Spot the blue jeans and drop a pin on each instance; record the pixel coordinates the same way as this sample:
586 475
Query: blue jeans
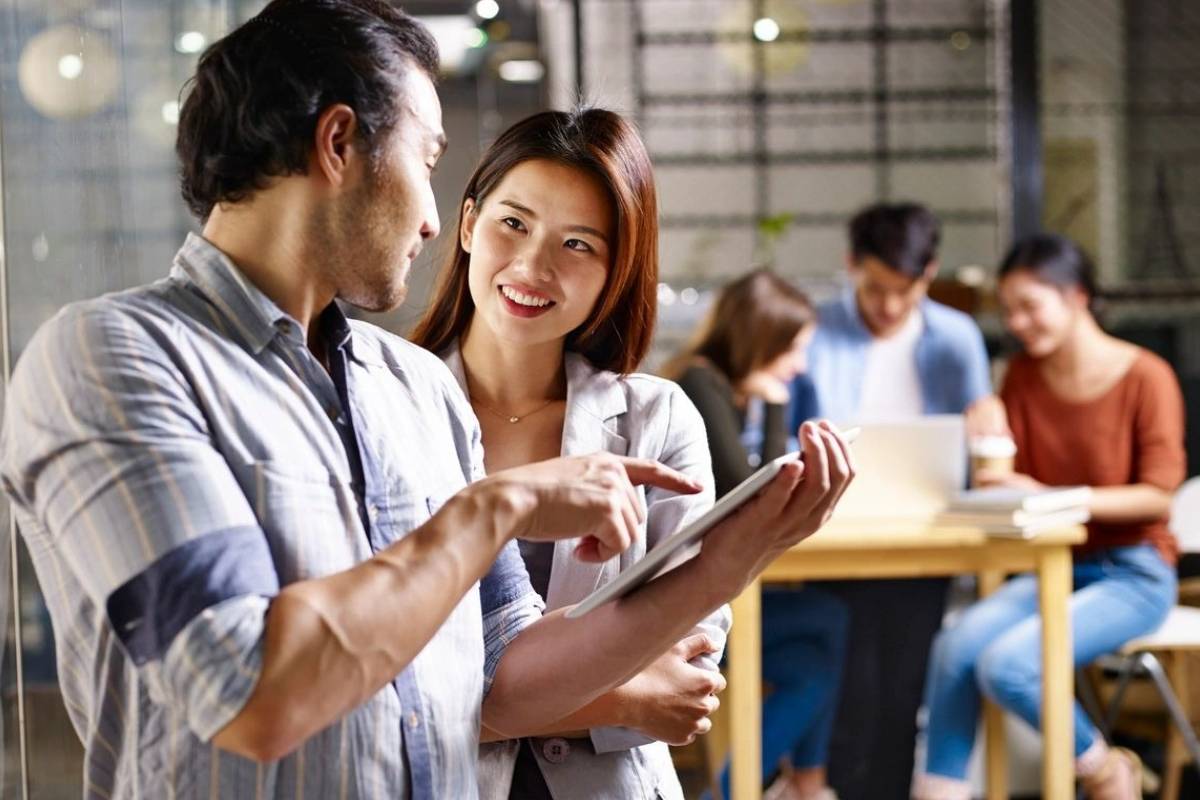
996 647
804 644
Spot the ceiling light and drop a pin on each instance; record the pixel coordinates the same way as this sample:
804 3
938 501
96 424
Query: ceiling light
522 71
666 295
487 9
67 72
70 66
190 42
454 34
766 29
476 38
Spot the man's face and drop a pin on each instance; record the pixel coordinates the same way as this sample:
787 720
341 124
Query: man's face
886 297
384 220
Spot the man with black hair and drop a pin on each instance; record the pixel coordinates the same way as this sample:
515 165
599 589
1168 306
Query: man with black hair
884 351
273 564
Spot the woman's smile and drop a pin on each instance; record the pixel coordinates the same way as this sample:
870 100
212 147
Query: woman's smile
524 302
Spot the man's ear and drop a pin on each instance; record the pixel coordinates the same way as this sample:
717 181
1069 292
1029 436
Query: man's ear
335 144
930 272
466 231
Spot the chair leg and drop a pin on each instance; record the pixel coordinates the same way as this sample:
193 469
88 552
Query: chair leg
1124 676
1179 717
1089 700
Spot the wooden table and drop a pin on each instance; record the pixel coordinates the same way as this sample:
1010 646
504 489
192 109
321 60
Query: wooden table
857 550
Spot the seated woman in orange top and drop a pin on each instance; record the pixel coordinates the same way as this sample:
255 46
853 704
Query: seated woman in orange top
1085 408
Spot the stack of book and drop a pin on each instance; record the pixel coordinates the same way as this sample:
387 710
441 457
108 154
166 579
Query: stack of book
1020 513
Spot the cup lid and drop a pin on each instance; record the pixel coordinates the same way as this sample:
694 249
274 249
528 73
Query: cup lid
993 447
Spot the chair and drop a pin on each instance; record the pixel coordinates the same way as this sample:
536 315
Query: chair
1163 656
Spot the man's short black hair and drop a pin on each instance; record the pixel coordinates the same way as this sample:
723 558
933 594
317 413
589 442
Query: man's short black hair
251 108
904 236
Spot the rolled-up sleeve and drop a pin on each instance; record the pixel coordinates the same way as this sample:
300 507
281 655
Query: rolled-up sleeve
107 452
509 604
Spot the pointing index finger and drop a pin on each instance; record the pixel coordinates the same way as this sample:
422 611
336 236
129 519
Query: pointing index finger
648 472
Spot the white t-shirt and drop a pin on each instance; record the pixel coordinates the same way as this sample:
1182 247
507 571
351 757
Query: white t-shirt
891 388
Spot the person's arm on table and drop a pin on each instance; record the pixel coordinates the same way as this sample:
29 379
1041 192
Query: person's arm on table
1139 502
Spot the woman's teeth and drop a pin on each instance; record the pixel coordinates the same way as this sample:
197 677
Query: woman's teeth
520 298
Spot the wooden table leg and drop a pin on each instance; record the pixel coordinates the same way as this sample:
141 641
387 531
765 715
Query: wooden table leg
745 695
996 755
1054 585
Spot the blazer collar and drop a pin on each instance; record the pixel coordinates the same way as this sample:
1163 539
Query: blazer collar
595 400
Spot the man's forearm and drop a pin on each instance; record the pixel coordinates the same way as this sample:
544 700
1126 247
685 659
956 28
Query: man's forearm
331 643
559 666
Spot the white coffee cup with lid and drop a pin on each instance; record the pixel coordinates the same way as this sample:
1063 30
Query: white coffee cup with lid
995 454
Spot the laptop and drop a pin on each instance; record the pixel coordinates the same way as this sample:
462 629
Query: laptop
907 470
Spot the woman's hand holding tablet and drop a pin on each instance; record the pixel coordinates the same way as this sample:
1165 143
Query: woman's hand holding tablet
790 507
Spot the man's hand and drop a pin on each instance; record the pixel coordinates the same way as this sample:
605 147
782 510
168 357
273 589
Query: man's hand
671 699
793 506
986 417
592 497
1011 480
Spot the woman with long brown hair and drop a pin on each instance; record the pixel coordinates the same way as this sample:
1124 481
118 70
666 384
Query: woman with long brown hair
737 370
544 309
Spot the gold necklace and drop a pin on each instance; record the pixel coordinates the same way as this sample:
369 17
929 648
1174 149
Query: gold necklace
512 418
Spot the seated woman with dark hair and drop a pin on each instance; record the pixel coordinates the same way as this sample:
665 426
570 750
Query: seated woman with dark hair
737 371
1085 408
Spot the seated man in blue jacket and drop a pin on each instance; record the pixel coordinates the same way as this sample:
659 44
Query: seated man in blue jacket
884 351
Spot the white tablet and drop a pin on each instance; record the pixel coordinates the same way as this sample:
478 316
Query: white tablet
658 558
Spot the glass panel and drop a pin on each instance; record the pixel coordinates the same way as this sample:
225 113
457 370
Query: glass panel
88 100
89 94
